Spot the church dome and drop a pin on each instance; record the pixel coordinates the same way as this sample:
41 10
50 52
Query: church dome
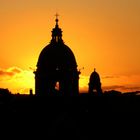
95 76
56 67
94 83
56 55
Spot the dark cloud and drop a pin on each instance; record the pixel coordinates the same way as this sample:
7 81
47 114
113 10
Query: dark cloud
10 71
132 88
121 88
114 87
5 73
15 70
110 77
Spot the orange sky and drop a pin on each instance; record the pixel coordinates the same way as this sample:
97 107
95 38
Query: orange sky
102 33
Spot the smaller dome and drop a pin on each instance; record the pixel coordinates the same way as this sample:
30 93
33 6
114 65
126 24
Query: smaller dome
95 76
94 83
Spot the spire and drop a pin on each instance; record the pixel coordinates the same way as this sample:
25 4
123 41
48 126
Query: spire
56 19
56 32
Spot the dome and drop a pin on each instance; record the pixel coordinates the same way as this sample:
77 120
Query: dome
56 67
94 83
95 76
56 55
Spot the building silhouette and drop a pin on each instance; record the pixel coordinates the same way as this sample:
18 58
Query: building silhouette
56 68
95 84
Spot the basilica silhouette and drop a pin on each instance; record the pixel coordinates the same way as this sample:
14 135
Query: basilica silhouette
56 68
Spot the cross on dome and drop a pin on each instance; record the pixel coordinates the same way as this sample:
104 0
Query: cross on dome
56 18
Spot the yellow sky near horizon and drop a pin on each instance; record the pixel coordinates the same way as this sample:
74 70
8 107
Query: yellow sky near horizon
102 33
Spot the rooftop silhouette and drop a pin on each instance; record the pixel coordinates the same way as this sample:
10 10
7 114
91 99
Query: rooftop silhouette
67 117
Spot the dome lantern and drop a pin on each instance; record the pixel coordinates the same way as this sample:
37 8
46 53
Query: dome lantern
56 32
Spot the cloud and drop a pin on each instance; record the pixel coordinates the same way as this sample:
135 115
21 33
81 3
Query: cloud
124 88
5 73
17 80
113 87
10 71
15 70
110 77
134 88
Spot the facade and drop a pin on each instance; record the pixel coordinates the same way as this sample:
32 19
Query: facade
56 68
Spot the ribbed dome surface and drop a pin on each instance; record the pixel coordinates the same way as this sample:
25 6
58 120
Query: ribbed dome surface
56 56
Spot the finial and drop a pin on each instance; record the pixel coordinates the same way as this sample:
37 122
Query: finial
56 18
94 69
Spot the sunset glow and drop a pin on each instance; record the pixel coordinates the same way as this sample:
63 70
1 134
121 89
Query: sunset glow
103 34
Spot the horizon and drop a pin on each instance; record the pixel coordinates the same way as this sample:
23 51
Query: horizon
102 34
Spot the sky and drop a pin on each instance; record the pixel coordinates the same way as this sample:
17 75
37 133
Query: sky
103 34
